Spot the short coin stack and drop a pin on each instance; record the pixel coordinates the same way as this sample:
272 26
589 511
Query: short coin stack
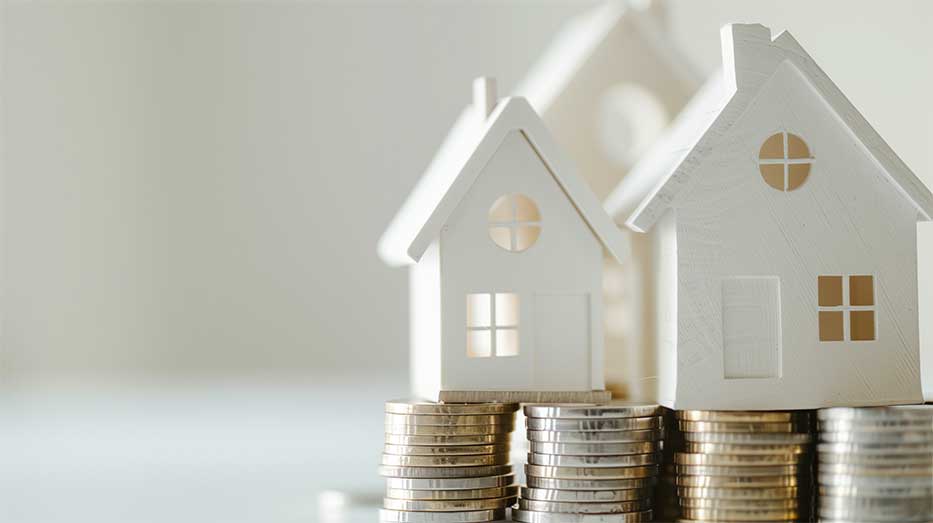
876 463
590 463
745 466
447 462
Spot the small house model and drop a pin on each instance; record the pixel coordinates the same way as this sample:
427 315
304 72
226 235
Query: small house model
505 245
786 236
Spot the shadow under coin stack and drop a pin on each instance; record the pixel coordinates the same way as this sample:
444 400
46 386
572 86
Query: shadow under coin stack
447 462
876 463
745 466
590 463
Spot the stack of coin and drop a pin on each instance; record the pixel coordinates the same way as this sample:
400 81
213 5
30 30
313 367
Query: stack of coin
876 463
745 466
590 463
447 462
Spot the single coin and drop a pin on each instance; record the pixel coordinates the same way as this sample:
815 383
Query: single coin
888 514
877 459
444 461
591 472
740 504
598 424
877 425
704 514
585 496
875 449
630 460
594 449
452 430
447 505
530 516
613 436
756 470
614 409
415 406
720 460
761 438
873 481
879 437
737 481
886 505
441 441
871 413
569 507
474 516
591 484
449 419
893 491
444 472
445 450
742 428
746 450
481 493
742 416
749 493
482 482
925 469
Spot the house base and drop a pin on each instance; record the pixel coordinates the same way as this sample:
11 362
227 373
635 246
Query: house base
524 396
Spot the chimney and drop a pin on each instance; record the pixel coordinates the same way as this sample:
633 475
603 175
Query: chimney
484 96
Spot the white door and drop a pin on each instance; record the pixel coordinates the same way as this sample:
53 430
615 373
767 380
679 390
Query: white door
751 327
562 342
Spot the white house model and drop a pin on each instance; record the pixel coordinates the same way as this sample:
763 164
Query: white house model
505 246
786 231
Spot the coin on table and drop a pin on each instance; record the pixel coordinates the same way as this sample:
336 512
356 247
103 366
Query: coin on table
445 450
887 492
530 516
444 472
704 514
449 419
451 430
629 460
481 493
719 460
742 416
763 470
591 472
742 428
609 436
737 481
874 449
597 424
749 493
591 484
415 406
761 438
740 504
445 461
473 516
877 425
570 507
585 496
745 450
614 409
594 449
447 505
871 413
879 437
482 482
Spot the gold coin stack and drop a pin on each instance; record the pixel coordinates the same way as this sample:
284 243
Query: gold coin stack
876 463
447 462
590 463
745 466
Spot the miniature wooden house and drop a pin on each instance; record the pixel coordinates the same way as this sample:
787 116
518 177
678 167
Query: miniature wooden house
786 235
505 246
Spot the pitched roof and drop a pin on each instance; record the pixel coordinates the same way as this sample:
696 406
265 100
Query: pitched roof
750 57
460 161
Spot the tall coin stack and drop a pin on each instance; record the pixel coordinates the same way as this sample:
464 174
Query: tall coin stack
745 466
447 462
876 463
590 463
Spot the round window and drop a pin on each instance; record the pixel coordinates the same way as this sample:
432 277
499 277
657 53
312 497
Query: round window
514 222
784 161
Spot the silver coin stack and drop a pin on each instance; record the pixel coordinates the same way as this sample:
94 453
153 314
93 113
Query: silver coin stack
596 463
447 462
876 464
744 466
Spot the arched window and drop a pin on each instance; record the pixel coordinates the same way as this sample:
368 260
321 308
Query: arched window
784 161
514 222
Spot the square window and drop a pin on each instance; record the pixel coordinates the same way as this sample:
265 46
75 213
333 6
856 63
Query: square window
862 325
830 291
506 342
861 291
479 310
479 343
506 310
831 326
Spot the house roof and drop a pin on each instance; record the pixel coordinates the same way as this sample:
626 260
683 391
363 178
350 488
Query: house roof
470 145
750 57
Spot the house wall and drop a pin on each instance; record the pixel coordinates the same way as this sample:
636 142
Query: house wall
425 324
847 218
566 259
